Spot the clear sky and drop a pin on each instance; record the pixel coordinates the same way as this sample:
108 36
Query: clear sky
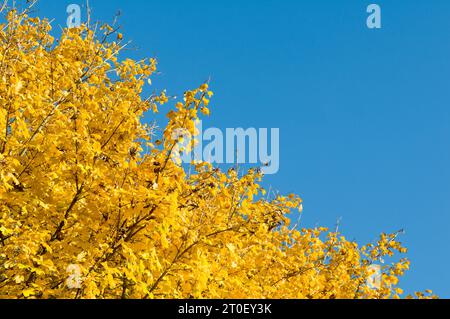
364 114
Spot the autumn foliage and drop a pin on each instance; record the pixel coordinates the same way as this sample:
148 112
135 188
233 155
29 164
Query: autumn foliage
92 205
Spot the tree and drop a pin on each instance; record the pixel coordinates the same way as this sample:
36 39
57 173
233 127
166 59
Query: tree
92 206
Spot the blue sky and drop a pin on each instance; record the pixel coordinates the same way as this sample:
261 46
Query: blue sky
364 114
